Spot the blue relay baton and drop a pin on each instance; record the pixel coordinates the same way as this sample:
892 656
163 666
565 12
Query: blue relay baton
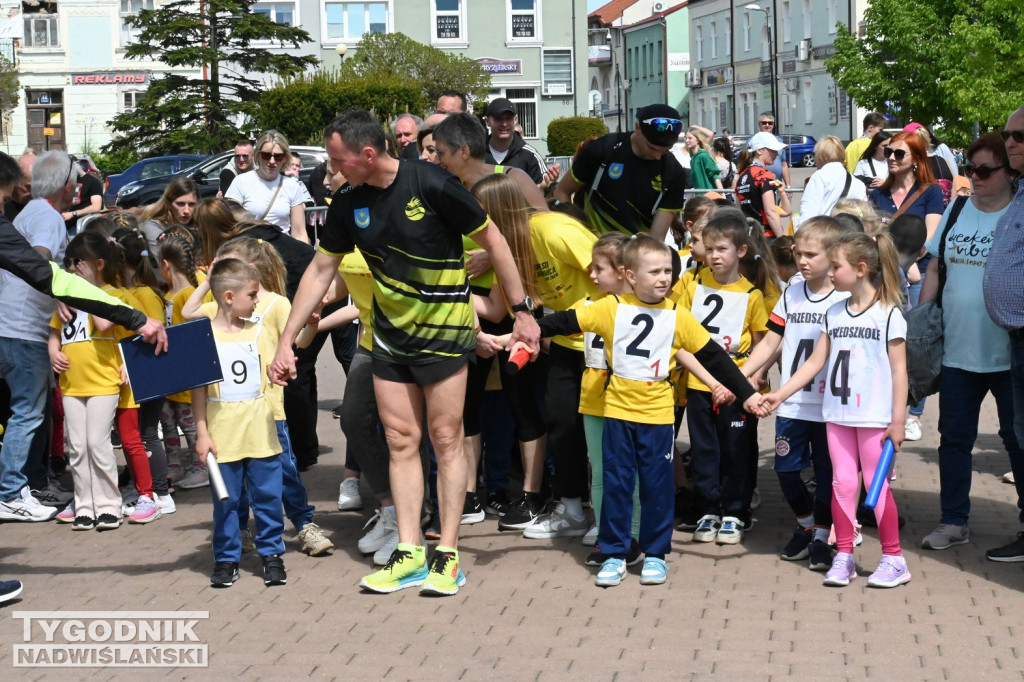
881 473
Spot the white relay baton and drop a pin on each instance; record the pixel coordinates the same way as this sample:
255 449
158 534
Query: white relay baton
216 479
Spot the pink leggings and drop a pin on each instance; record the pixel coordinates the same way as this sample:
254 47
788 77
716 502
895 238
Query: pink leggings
854 449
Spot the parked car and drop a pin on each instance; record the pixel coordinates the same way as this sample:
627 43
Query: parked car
799 150
145 169
206 175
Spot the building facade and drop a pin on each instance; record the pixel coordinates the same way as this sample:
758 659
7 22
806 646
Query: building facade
75 77
746 61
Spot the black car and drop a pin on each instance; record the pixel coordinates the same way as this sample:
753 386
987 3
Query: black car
206 175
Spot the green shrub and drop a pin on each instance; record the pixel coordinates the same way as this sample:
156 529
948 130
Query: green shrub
565 133
302 106
115 162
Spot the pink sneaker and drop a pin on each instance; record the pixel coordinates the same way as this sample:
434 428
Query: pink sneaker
146 510
843 570
67 515
892 571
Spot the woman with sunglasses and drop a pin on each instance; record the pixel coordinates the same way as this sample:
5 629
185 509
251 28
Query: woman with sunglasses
873 169
976 360
910 186
175 207
269 195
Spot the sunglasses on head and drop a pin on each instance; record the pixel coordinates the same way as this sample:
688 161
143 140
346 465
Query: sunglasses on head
766 123
898 153
1017 135
241 156
982 172
266 156
664 125
71 263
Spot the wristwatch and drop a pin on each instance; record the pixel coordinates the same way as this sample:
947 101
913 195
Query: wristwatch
74 214
526 306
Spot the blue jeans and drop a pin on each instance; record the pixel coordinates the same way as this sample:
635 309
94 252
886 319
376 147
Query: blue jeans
960 396
26 367
262 476
293 492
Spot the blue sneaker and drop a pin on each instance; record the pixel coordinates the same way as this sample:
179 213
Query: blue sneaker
655 572
611 574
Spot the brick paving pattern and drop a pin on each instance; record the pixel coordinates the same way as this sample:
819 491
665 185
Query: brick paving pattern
530 610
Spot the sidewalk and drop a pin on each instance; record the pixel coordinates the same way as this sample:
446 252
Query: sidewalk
530 609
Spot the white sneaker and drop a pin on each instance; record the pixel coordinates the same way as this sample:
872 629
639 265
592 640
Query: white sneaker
195 477
557 524
590 539
912 428
145 510
26 508
166 504
383 525
707 528
730 532
348 495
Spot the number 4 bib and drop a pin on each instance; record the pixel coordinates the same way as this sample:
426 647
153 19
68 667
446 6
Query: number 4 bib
643 342
722 313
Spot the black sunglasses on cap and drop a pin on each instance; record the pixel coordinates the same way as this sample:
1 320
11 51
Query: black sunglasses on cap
664 125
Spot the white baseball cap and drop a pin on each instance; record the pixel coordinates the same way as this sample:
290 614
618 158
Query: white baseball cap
765 140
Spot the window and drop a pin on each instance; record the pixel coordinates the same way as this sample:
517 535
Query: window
130 99
525 102
728 38
833 11
701 114
787 22
448 18
807 18
129 8
350 21
556 71
278 12
699 42
524 21
746 31
40 24
714 39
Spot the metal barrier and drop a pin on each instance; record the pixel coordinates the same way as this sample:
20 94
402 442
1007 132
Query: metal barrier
316 216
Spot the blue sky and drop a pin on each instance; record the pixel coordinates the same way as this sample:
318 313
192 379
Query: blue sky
594 4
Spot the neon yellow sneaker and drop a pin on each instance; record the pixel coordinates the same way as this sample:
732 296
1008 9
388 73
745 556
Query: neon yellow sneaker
407 567
445 575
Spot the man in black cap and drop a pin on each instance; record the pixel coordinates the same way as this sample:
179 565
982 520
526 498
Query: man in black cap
629 181
506 146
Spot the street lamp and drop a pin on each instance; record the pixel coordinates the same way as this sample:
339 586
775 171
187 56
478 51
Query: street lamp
341 49
771 58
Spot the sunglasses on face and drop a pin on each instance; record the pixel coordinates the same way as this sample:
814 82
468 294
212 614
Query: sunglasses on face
71 263
766 123
664 125
982 172
1017 135
242 156
266 156
898 153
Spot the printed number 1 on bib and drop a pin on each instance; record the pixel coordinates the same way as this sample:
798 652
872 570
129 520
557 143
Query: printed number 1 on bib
76 329
643 342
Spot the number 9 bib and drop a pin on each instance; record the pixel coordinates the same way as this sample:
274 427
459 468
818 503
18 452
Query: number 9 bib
240 362
643 342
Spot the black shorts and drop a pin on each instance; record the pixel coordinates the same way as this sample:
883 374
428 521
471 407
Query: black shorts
421 375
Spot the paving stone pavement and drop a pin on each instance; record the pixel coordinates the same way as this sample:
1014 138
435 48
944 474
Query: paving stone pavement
530 610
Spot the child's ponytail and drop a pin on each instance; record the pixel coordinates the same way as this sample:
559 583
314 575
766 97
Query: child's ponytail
890 284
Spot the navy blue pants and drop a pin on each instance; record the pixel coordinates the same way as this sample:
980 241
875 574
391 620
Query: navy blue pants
723 450
630 449
262 477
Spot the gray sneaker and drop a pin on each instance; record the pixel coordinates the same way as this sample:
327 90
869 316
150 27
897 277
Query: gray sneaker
947 535
557 524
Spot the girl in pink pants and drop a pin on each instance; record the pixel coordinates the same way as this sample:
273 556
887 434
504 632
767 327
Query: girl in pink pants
862 342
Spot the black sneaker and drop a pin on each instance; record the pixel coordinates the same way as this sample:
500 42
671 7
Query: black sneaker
1008 553
523 512
83 523
821 556
633 556
799 546
498 503
273 571
224 574
108 522
472 511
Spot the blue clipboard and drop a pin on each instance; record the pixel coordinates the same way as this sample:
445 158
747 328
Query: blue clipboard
190 361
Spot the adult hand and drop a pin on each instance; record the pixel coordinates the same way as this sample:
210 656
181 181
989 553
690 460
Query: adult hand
63 311
527 331
551 175
283 367
153 332
478 263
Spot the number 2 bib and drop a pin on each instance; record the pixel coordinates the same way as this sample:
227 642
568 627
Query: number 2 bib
642 348
593 349
722 313
240 362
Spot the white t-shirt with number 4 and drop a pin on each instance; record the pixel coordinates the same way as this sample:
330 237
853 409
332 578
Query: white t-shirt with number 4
802 315
858 376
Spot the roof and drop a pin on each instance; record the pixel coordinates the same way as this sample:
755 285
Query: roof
608 14
658 15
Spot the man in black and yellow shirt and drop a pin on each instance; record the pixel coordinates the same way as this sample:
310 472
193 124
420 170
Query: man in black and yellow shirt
408 219
630 181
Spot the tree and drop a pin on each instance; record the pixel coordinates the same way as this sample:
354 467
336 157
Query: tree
951 63
396 55
9 84
207 112
564 134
